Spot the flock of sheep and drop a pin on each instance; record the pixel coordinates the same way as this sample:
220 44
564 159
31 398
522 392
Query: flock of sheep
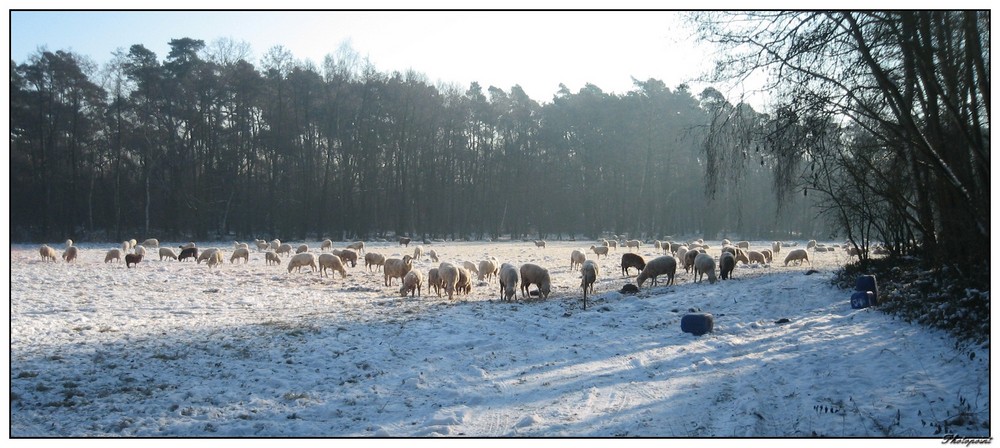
451 278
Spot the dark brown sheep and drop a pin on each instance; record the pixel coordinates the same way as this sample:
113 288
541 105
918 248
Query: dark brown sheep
630 260
131 259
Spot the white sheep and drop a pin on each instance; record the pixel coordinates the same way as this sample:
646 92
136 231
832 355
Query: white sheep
434 281
471 267
166 252
418 252
333 263
302 248
131 244
540 243
189 245
396 268
433 255
241 252
533 274
215 259
113 254
613 244
261 244
274 245
600 250
411 283
126 247
238 245
704 264
326 244
151 243
448 274
745 245
726 242
70 253
776 246
272 258
284 248
140 250
797 255
589 272
68 244
508 281
632 243
464 283
487 269
576 258
374 259
811 244
662 265
207 254
756 257
358 246
299 260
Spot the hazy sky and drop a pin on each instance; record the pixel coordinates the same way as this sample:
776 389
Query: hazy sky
534 49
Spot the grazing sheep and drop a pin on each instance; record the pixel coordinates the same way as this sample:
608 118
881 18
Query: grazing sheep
726 242
215 260
663 265
68 244
811 244
411 283
540 243
471 267
464 283
206 254
797 255
113 254
284 248
704 264
189 245
151 243
262 245
768 255
738 254
680 252
630 260
434 281
533 274
632 243
190 252
126 247
374 259
404 241
243 253
600 250
349 256
433 255
613 244
132 259
727 262
689 258
358 246
302 248
238 245
448 274
745 245
333 263
657 245
299 260
487 269
589 273
166 252
70 253
776 246
605 243
508 282
396 268
141 250
756 257
418 252
576 259
272 258
674 247
131 243
326 244
275 243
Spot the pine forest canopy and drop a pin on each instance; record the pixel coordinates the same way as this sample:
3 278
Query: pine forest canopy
205 144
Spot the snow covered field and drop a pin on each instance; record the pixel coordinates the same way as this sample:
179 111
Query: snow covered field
177 349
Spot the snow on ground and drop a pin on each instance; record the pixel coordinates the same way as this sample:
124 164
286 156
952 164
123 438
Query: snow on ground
178 349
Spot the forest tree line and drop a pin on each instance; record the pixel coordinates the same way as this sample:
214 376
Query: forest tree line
204 144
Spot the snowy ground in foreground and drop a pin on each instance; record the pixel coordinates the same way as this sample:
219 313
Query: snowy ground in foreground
178 349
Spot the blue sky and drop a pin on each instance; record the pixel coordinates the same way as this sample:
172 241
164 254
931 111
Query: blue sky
534 49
